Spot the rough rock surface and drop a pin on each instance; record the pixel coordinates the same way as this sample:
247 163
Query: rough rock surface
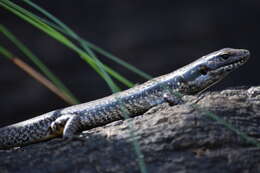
181 138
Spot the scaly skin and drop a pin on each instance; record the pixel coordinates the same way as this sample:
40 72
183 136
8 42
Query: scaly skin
188 80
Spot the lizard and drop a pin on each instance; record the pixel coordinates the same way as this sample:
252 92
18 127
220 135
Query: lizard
67 122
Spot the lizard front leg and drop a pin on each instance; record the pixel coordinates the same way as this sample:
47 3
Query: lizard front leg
172 98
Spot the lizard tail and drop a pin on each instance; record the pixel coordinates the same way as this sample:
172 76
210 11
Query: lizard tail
26 132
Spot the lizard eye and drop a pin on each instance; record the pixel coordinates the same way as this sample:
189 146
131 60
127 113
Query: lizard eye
204 70
224 56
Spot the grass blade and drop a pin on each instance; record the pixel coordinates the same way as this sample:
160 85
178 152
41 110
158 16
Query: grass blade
27 16
70 32
38 63
36 75
6 53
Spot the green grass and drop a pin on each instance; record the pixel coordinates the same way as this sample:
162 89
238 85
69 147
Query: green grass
30 18
36 75
41 66
7 54
60 26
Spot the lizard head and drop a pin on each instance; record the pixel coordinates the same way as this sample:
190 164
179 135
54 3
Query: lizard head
211 68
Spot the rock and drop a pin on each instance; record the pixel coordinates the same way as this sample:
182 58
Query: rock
181 138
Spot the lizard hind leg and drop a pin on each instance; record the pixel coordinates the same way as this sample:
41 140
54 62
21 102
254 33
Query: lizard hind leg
67 125
58 125
72 127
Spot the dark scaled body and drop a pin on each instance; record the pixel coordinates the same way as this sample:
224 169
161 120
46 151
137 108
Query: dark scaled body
191 79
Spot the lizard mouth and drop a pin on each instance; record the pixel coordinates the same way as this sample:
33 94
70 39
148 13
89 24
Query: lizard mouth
229 67
235 65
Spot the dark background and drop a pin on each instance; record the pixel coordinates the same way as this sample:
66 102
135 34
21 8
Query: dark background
155 36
